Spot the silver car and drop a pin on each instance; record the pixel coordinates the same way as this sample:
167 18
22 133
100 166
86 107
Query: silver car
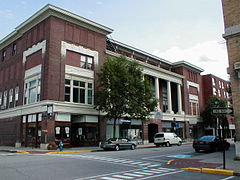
117 144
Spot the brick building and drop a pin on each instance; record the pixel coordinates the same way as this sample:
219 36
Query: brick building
48 72
215 86
231 12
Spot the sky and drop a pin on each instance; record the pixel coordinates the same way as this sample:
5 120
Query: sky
175 30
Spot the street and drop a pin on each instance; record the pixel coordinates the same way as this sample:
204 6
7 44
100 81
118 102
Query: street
146 163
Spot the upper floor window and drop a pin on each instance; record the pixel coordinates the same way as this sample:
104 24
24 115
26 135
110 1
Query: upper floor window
78 91
5 99
14 49
16 95
32 91
86 62
0 98
213 81
4 54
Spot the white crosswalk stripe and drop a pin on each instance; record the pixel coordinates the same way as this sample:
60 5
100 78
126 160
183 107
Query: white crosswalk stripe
143 173
113 160
123 177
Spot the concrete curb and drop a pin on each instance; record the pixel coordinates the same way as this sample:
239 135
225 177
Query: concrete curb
69 151
213 171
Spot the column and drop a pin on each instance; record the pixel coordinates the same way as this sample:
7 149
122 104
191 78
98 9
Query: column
157 93
169 95
179 95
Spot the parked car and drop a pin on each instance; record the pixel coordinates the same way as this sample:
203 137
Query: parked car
117 144
167 139
210 143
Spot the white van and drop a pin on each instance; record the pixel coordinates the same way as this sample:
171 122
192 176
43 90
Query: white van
167 139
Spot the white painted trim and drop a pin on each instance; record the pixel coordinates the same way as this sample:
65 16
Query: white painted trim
155 71
79 72
189 83
79 49
35 48
39 107
33 71
193 98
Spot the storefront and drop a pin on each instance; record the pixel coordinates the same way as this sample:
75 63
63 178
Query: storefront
126 128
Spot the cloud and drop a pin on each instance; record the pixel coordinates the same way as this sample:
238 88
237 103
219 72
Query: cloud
6 14
210 56
99 2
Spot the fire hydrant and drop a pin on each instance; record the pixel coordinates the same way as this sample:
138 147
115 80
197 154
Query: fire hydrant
60 146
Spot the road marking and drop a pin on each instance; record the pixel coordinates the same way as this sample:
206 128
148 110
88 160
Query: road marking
109 178
175 172
135 175
143 173
122 176
230 177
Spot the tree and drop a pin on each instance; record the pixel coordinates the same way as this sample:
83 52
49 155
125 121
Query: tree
123 91
210 119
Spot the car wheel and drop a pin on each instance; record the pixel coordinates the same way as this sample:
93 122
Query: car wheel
197 150
167 144
133 147
117 147
179 143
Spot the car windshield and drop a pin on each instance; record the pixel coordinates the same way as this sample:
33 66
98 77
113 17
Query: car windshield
207 138
112 139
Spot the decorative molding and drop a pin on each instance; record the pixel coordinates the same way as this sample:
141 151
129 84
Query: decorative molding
189 83
33 71
35 48
79 49
79 72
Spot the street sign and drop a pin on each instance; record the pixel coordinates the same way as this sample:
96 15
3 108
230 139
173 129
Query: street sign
221 111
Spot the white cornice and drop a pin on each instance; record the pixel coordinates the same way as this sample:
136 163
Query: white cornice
50 10
140 51
39 107
155 71
188 65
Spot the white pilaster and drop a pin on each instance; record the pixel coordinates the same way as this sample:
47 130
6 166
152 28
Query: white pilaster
169 95
179 94
157 93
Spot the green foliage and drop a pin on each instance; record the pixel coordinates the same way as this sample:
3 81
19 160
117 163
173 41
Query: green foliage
123 91
210 119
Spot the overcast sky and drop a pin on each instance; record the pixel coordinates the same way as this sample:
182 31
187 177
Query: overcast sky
175 30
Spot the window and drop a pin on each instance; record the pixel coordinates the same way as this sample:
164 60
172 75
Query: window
86 62
213 81
4 54
90 93
67 90
83 62
78 91
89 63
32 91
16 95
214 91
5 99
0 98
14 49
10 95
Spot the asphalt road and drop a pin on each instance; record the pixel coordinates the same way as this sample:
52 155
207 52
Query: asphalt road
147 163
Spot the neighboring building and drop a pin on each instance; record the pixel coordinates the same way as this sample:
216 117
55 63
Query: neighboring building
215 86
48 69
231 12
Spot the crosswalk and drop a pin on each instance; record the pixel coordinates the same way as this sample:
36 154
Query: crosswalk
122 161
144 173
